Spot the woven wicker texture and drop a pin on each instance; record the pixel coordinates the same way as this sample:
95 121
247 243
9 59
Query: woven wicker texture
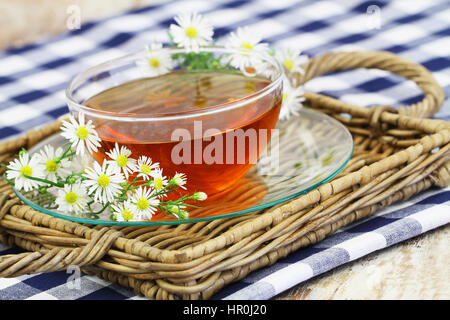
396 155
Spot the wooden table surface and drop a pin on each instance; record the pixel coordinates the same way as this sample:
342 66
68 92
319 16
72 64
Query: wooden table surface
418 268
414 269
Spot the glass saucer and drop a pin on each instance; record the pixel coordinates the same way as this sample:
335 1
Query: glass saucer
308 150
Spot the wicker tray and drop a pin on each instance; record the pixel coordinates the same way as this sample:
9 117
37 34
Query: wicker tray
396 155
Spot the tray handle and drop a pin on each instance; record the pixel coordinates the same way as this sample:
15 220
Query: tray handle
339 61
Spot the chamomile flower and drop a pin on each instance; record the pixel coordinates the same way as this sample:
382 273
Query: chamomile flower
266 69
80 162
145 167
121 160
179 179
54 166
157 61
103 182
144 202
159 181
18 169
72 198
82 135
123 211
192 31
248 48
292 59
292 100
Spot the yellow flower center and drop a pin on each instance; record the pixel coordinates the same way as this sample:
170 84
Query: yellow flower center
158 183
289 64
127 214
247 45
103 181
142 204
51 166
71 197
26 171
122 161
82 133
145 169
154 62
284 96
191 32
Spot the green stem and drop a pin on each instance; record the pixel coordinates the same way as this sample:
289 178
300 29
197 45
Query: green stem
65 151
68 155
164 190
129 186
166 214
134 188
89 204
102 209
189 205
44 181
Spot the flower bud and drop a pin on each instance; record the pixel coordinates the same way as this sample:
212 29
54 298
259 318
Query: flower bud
199 196
183 214
71 180
173 209
42 190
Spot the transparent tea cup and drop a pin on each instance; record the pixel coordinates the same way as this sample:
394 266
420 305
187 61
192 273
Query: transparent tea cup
214 144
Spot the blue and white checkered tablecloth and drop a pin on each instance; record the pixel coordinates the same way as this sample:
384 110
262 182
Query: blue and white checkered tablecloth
33 79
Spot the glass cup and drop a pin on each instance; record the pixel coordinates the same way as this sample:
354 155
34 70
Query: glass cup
213 143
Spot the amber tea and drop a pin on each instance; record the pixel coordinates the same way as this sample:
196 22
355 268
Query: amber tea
206 124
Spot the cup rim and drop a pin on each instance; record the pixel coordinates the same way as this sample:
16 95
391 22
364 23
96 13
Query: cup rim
130 117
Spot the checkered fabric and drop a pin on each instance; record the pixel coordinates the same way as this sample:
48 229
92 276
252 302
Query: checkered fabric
33 79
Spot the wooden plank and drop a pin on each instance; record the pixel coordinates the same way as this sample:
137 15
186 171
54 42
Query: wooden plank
418 268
